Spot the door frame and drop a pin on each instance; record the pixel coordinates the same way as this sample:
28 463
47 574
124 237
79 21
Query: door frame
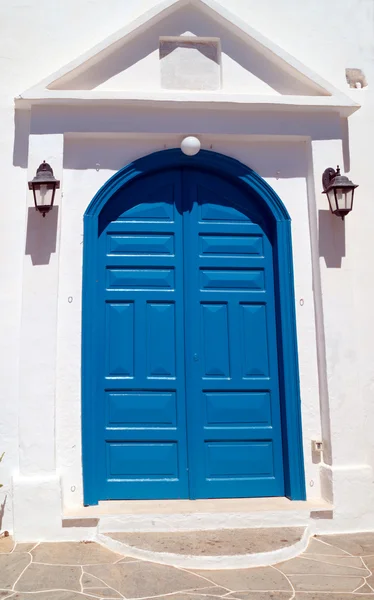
280 223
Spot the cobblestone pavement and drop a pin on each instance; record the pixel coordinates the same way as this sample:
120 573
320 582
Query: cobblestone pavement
332 568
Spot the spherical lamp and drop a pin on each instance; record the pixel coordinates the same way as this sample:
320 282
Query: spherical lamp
190 145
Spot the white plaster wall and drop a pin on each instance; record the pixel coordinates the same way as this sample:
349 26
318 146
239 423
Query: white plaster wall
34 44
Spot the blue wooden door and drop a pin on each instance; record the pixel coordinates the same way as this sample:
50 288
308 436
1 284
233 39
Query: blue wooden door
142 448
187 401
233 411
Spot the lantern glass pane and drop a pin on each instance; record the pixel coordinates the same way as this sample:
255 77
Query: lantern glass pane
350 199
331 198
344 199
44 194
340 199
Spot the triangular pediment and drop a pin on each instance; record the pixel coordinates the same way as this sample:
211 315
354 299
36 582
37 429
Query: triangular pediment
190 45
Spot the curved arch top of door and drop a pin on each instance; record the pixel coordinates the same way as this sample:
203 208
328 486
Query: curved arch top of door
213 407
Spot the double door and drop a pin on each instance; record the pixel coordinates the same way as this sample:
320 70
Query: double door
187 381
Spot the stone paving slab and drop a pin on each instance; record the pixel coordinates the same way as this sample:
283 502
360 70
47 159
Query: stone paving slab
142 579
317 546
49 577
332 568
11 567
300 566
357 544
322 583
70 553
56 595
262 578
24 547
261 595
226 542
317 596
347 561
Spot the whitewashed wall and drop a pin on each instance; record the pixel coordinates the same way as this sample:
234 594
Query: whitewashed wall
40 295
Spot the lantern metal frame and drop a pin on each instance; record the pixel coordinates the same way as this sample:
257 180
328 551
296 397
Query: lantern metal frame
332 182
44 176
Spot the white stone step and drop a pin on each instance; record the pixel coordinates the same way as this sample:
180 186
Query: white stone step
213 549
189 515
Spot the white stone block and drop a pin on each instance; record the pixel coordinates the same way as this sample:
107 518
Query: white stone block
190 63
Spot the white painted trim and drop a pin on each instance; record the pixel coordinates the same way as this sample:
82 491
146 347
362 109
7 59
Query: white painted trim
236 561
189 99
330 97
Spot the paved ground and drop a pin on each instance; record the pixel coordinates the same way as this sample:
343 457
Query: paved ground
332 568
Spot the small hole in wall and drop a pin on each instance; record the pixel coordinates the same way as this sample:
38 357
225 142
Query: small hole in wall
190 63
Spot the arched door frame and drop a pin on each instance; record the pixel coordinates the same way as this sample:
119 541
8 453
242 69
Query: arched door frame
280 223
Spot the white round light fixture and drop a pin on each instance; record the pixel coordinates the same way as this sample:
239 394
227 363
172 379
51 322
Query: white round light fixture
190 145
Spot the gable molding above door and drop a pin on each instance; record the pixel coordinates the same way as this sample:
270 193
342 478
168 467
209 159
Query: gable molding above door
61 87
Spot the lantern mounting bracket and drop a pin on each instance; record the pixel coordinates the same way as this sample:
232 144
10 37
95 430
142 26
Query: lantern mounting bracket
328 176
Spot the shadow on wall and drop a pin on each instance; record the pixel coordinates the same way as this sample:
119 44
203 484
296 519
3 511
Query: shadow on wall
2 512
41 235
21 138
331 239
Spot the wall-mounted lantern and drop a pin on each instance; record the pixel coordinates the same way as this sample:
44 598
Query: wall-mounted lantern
44 186
339 190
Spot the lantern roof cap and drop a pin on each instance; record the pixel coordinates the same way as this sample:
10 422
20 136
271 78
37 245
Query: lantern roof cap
333 179
44 175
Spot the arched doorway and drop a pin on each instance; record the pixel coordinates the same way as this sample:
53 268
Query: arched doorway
190 381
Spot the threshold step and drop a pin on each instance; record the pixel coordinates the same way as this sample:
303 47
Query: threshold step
237 505
225 542
224 548
195 515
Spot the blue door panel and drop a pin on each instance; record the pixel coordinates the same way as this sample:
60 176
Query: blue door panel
241 409
231 245
253 322
140 243
149 460
241 460
141 409
217 209
214 324
232 280
187 401
140 279
161 336
119 349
